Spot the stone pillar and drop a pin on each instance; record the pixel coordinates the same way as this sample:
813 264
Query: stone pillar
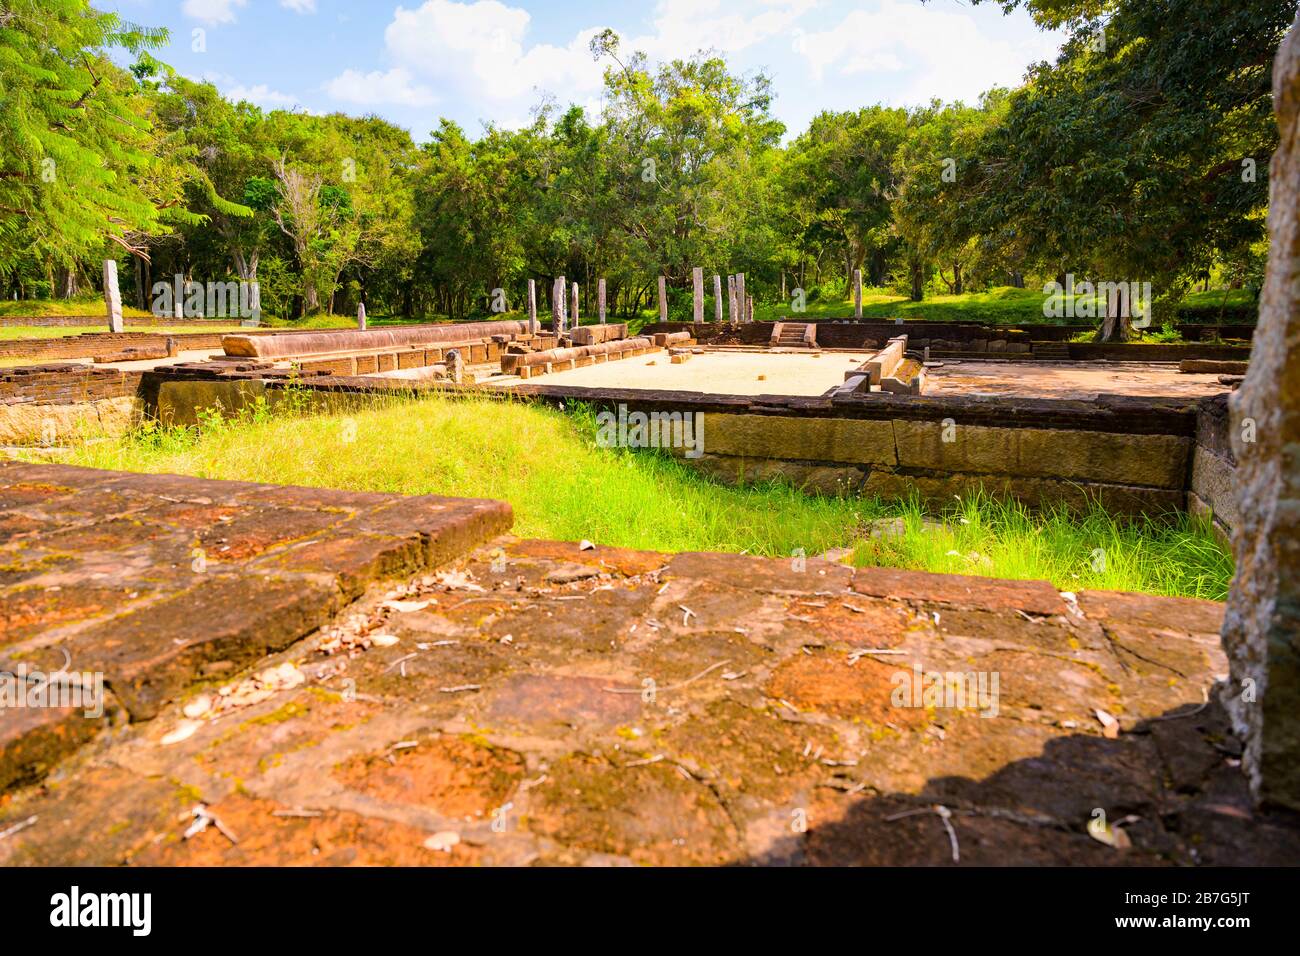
663 299
717 297
857 293
455 363
1261 630
361 315
697 279
749 308
740 295
600 300
575 314
532 307
733 313
557 305
112 297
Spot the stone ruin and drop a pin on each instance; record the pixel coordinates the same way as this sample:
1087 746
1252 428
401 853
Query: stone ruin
342 677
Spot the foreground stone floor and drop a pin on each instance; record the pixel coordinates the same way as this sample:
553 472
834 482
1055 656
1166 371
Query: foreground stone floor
535 702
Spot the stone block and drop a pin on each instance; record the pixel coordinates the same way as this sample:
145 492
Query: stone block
1032 597
800 439
1158 461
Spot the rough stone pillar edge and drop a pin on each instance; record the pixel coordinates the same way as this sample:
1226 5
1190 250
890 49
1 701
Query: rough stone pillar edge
1261 631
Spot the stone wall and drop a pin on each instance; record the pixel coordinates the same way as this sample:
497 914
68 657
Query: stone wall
1211 490
858 335
43 404
957 339
1134 456
91 344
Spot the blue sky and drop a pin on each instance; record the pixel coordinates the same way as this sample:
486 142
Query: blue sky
479 61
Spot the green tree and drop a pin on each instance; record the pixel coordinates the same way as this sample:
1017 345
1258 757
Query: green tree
76 165
1141 153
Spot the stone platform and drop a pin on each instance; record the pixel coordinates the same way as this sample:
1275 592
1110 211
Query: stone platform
537 702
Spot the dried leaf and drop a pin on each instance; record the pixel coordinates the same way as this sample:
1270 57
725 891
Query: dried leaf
1103 832
406 607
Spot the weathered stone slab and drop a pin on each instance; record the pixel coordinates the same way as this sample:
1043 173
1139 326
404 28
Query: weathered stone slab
150 656
160 581
34 739
1033 597
554 704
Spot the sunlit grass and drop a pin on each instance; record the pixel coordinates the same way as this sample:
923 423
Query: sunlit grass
546 463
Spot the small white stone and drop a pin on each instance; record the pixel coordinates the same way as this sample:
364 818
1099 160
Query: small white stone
443 841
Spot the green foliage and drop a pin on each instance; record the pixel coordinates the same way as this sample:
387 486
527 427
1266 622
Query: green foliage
76 165
1120 161
1141 154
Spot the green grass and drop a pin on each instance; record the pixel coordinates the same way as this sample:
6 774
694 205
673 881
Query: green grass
85 305
562 485
1001 305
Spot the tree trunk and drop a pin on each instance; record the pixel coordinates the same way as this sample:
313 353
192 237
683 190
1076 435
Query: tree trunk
141 289
1115 327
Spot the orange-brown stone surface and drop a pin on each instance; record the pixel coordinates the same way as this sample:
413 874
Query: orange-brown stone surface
540 703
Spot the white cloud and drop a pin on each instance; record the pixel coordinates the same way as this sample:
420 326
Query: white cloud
212 12
261 95
683 27
258 94
299 6
377 88
937 53
480 47
482 54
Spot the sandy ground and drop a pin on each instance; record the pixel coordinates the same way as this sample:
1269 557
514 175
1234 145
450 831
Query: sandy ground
719 373
1066 380
737 373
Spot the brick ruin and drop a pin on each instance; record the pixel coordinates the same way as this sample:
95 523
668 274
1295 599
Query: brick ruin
393 680
388 680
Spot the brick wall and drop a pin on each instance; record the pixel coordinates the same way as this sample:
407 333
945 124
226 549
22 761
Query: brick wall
65 384
90 344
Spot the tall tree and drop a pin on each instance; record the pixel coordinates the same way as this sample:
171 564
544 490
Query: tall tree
76 165
1142 151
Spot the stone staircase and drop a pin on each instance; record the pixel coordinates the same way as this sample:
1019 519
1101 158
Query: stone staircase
1052 351
794 335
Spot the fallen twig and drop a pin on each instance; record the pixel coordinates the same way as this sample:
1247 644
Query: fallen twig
18 827
660 690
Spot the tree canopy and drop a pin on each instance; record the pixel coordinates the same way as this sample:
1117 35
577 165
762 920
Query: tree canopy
1140 154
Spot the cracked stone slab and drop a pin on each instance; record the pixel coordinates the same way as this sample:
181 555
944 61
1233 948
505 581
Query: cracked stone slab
161 582
498 713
